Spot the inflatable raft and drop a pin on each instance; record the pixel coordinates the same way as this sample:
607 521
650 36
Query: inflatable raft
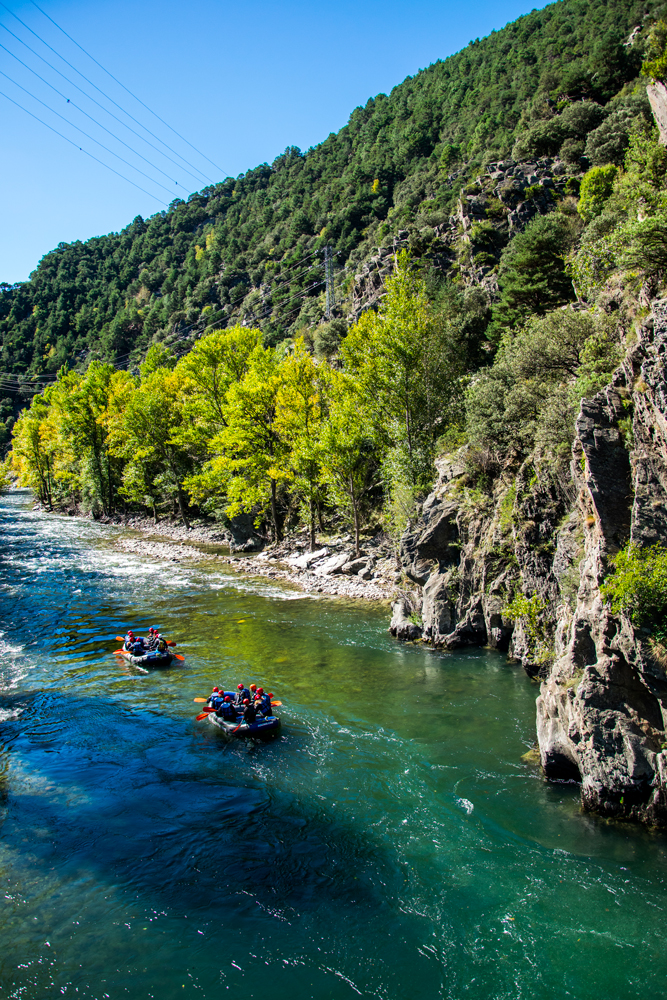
262 728
152 659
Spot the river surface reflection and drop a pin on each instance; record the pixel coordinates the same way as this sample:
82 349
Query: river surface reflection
392 843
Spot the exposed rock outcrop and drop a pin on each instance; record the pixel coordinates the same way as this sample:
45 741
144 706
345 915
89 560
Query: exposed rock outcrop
602 712
657 95
602 709
490 210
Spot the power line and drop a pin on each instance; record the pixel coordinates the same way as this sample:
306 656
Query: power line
72 143
69 101
106 110
92 139
127 90
82 75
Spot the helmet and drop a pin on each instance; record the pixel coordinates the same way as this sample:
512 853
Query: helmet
245 701
253 687
240 687
227 698
216 689
150 629
270 694
260 690
130 632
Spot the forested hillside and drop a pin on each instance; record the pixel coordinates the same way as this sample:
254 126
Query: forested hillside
250 249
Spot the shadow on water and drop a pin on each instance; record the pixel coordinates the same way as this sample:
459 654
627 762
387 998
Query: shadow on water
205 839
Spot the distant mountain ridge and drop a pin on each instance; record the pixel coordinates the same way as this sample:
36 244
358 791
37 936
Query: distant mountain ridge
250 248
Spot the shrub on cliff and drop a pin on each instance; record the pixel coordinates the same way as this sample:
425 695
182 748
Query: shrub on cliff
532 274
637 587
596 188
531 392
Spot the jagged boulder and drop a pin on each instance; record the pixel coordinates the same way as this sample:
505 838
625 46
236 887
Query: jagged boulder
402 625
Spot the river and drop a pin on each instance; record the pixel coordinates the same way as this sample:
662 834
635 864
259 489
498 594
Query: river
391 843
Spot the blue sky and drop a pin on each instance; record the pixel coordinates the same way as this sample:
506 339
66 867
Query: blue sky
239 81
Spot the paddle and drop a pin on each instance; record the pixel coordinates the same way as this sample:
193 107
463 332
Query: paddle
276 704
177 656
207 711
202 701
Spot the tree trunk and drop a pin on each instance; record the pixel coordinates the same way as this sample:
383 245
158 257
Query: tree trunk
100 479
277 534
47 484
355 510
181 507
109 484
312 526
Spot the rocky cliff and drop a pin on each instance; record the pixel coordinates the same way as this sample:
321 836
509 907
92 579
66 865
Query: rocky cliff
490 211
602 709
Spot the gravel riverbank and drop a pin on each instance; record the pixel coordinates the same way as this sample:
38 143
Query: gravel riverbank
332 569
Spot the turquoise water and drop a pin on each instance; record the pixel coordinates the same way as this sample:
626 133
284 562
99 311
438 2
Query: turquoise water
392 843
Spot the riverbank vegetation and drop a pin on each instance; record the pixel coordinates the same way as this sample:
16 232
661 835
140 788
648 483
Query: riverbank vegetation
238 426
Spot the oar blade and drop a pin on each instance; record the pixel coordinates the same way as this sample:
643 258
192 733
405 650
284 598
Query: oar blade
177 656
276 704
202 716
201 701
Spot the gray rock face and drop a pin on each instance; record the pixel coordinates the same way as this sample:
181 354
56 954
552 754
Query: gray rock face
466 558
602 709
657 95
402 625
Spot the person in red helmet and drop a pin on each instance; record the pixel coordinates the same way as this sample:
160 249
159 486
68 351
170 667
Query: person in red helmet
263 702
227 711
134 643
241 695
215 697
249 712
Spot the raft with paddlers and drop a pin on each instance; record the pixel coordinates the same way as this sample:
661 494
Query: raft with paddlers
241 717
151 651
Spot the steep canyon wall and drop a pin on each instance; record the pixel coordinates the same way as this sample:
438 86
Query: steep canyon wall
602 708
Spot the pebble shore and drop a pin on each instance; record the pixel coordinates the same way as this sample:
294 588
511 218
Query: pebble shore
333 569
